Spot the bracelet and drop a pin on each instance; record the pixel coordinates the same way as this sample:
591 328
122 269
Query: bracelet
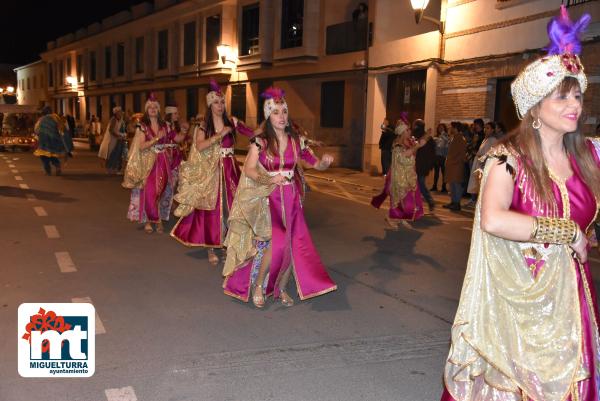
534 228
549 230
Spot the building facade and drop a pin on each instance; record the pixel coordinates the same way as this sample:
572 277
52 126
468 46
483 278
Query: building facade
462 69
345 64
32 89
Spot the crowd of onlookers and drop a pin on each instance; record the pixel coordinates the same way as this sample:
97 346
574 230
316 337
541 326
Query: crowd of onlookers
452 153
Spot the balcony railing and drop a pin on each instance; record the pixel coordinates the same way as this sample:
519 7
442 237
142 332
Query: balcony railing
347 37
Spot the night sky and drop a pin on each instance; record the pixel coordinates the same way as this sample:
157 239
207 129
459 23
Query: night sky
27 24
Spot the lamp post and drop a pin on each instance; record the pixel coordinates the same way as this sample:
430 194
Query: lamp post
419 7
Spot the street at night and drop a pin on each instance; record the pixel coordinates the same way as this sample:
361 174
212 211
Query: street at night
300 200
168 332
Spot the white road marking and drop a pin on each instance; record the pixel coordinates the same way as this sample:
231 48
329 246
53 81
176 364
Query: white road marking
594 259
23 186
65 263
40 211
120 394
30 197
18 178
467 228
12 165
51 232
14 171
99 326
15 158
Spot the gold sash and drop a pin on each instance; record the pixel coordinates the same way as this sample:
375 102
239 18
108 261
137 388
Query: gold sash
139 163
199 180
249 220
404 175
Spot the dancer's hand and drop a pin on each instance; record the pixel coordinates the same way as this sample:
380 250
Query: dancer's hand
580 247
278 179
326 161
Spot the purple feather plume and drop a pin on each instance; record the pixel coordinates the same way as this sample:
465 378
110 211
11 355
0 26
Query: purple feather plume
273 93
214 86
152 97
564 33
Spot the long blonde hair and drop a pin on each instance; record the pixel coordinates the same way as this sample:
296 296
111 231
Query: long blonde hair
526 141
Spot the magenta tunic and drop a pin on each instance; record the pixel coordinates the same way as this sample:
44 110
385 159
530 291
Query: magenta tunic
152 203
582 205
408 208
291 243
207 228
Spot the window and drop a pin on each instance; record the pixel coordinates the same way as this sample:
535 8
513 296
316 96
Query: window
189 43
238 101
77 104
191 102
35 82
28 83
170 98
61 72
163 49
93 66
250 27
107 62
213 37
332 104
139 55
88 114
98 106
137 102
292 16
79 68
69 71
50 75
120 59
117 100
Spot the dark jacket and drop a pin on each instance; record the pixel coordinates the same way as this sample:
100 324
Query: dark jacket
387 139
425 159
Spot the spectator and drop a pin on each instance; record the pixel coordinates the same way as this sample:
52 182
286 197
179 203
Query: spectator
425 159
361 12
598 129
441 152
500 130
455 164
490 140
385 145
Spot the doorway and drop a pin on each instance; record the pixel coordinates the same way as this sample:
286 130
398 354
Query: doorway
406 93
505 108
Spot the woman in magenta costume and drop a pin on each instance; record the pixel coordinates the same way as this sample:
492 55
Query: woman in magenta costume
401 184
149 172
526 326
268 238
209 178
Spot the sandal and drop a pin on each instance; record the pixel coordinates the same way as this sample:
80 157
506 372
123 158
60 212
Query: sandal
286 300
213 259
258 298
148 228
391 223
159 228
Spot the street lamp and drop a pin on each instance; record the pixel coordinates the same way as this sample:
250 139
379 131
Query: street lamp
10 89
227 54
419 6
1 90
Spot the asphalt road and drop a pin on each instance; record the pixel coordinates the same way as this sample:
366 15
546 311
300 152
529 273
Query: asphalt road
167 331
